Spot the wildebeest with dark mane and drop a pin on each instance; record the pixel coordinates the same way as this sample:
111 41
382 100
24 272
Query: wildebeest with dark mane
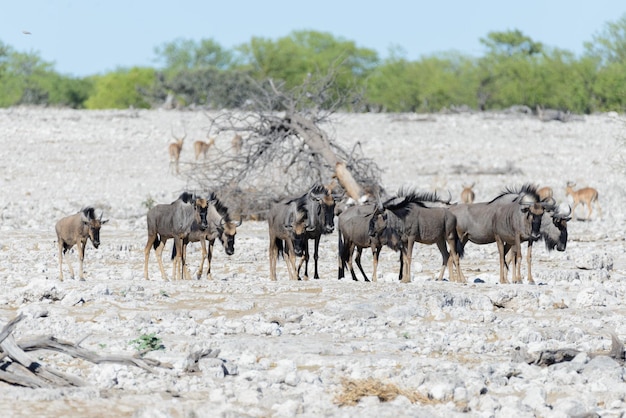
510 218
287 220
414 221
553 231
76 229
219 226
353 226
320 206
173 220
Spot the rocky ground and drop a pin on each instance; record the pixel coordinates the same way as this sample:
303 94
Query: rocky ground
321 347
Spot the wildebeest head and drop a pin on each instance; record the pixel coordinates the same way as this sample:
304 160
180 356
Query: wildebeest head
201 206
325 201
380 229
227 232
93 224
554 228
534 213
297 225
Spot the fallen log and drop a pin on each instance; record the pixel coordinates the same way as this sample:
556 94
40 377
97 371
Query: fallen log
18 368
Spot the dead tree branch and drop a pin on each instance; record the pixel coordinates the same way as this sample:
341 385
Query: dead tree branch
286 148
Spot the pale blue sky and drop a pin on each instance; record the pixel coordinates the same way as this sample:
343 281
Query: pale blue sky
85 37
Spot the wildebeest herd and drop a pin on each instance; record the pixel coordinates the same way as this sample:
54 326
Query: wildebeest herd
516 215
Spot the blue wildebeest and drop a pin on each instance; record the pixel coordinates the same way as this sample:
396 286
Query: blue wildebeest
287 220
173 220
353 226
220 226
511 218
76 229
553 231
414 221
320 208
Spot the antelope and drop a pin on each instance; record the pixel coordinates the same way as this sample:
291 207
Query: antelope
175 149
202 148
467 195
585 196
76 229
220 226
414 221
545 193
173 220
237 143
287 220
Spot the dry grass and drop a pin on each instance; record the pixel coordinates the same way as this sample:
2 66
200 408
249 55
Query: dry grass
355 389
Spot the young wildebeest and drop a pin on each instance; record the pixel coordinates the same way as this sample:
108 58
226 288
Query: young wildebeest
287 221
585 196
220 226
512 217
75 229
173 220
414 221
353 226
320 206
553 231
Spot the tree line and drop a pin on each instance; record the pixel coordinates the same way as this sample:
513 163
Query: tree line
514 70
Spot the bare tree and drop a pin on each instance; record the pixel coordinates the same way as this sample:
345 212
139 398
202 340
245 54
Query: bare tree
287 147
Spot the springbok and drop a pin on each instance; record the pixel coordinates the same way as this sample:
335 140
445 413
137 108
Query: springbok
545 193
173 220
353 230
237 143
202 148
414 221
287 220
174 149
76 229
467 195
585 196
321 214
220 226
511 218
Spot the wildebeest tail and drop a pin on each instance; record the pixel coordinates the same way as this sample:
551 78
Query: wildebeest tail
341 250
157 242
173 251
460 249
280 246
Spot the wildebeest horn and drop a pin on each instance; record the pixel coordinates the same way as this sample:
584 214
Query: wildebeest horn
527 200
563 211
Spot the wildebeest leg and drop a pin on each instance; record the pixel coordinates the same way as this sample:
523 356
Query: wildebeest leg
81 257
209 258
316 247
359 251
445 259
159 256
204 254
273 253
304 260
61 259
500 244
146 251
375 255
529 256
290 258
406 262
350 253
